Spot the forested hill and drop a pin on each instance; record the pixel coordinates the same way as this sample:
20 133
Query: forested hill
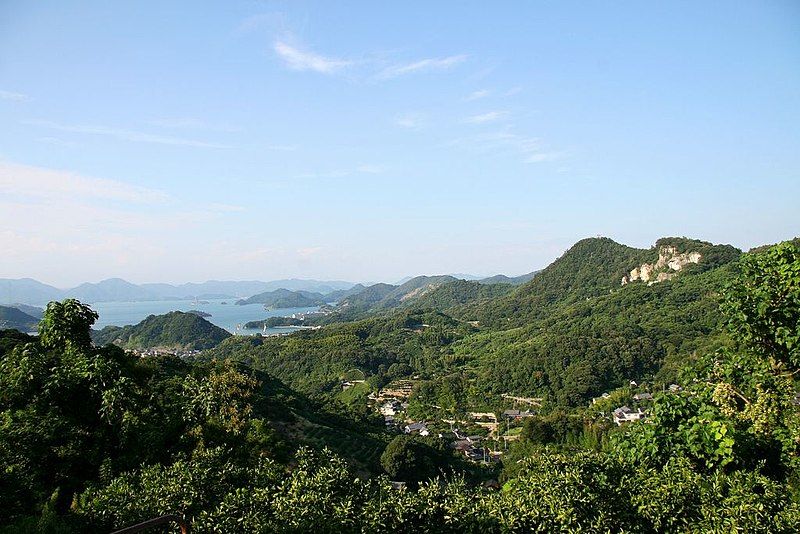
174 330
11 317
460 292
284 298
573 332
382 297
513 280
590 268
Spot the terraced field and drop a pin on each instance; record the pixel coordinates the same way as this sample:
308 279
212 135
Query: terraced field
361 449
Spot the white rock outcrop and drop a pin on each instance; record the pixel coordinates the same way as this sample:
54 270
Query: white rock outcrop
669 263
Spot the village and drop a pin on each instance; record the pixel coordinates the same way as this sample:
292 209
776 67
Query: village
480 437
483 437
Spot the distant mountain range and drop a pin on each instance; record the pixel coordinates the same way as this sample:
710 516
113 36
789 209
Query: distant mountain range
28 291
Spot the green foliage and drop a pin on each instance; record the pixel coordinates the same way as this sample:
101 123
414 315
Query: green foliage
459 293
763 306
272 322
399 460
92 439
739 411
67 323
314 360
174 330
284 298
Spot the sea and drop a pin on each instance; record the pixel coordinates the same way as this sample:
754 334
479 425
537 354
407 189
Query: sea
224 313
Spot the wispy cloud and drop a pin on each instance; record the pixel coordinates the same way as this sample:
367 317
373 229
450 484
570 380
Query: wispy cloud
281 148
226 208
188 123
14 97
530 149
410 120
57 141
476 95
426 64
42 183
513 91
302 60
490 116
539 157
125 135
370 169
364 168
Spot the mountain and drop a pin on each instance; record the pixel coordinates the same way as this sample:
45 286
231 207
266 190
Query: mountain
594 319
174 330
28 291
513 280
34 311
590 268
366 298
113 289
17 319
283 298
231 289
386 296
338 295
458 293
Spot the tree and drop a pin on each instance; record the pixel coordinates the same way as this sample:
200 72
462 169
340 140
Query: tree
67 323
399 459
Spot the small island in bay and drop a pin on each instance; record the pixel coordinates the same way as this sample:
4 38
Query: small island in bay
273 322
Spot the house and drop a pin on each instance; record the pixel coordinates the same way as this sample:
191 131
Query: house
624 414
417 428
675 388
601 398
391 408
642 397
633 384
516 414
468 449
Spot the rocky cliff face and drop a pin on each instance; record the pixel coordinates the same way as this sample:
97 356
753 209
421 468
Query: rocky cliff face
669 263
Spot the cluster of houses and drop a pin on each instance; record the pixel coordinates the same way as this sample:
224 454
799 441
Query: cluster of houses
470 447
389 409
517 414
180 353
626 414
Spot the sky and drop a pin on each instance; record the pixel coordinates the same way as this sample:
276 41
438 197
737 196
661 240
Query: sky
369 141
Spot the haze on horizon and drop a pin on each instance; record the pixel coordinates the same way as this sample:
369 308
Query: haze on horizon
269 140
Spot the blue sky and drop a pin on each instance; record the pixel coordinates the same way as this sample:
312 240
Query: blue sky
168 141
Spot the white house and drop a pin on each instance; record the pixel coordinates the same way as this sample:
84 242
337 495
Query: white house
418 428
625 415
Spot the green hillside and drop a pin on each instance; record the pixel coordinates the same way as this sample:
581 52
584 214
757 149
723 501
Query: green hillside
590 268
573 332
174 330
11 317
459 293
284 298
